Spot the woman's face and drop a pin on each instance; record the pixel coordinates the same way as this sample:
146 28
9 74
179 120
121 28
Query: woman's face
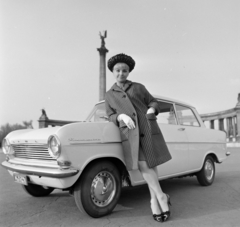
121 72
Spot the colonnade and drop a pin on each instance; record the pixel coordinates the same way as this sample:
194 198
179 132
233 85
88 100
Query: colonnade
227 121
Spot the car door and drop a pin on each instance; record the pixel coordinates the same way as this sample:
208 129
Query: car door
196 135
176 139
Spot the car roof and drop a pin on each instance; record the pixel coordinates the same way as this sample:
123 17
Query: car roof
172 100
164 99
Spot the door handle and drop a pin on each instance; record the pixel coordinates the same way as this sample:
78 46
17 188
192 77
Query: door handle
181 129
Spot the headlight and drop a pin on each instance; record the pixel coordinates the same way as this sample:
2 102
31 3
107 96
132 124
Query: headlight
54 146
6 147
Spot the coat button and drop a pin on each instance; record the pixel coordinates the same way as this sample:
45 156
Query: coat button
141 135
134 114
124 96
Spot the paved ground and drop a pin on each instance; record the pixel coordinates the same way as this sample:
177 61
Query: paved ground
193 205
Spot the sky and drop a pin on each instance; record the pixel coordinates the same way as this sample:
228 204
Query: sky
184 49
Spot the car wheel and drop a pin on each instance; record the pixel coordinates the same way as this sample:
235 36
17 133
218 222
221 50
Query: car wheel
99 189
207 174
37 190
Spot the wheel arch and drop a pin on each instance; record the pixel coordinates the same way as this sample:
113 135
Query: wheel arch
213 155
117 162
210 153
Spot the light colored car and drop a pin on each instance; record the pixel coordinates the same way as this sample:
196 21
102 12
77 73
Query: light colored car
86 158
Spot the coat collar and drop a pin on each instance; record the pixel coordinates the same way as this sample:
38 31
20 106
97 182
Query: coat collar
126 86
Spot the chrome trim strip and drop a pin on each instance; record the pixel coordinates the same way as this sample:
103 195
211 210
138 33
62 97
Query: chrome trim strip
222 143
178 142
46 172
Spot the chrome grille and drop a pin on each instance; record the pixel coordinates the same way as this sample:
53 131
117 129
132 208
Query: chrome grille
32 151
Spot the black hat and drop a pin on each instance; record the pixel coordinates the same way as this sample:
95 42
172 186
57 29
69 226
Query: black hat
121 58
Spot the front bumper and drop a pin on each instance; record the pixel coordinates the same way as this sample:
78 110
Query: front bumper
39 171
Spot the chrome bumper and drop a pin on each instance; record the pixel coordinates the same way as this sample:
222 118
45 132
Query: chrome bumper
37 171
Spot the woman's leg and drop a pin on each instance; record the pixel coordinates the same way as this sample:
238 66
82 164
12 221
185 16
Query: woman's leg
154 203
150 176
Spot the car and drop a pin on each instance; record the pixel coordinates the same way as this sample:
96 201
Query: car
86 158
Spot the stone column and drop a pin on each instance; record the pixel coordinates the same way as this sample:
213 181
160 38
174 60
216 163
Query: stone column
43 120
227 129
220 124
230 124
237 109
212 124
102 70
234 127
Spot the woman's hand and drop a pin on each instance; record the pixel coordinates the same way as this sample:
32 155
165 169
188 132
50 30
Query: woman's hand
150 110
127 120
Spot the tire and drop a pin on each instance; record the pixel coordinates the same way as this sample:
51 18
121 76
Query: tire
37 190
207 174
98 190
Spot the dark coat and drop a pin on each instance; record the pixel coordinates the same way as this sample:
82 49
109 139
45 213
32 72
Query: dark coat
134 100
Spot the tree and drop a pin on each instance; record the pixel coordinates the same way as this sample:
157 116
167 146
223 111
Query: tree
7 128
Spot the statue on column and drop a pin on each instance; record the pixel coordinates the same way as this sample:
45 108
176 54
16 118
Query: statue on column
102 37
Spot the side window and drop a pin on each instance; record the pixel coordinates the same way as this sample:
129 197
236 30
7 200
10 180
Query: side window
167 114
186 116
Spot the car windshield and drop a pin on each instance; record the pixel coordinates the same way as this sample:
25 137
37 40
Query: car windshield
98 113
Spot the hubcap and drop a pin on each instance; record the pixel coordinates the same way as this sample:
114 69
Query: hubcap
103 189
209 170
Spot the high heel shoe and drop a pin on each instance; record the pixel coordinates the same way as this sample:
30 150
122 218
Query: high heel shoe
157 217
168 200
165 215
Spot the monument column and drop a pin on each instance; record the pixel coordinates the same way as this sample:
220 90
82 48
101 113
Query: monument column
102 70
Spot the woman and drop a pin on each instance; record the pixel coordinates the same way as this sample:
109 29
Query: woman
133 109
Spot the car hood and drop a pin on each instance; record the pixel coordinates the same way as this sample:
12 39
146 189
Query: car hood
75 133
31 135
89 132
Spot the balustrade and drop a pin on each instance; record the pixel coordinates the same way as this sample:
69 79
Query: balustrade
44 121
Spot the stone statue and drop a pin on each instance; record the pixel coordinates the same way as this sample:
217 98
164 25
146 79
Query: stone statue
44 115
102 37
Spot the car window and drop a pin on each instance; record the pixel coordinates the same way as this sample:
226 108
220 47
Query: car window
98 113
167 114
186 116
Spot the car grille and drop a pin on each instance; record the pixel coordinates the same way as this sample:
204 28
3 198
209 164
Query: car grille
32 151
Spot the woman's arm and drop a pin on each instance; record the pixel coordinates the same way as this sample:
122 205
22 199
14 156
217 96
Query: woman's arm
112 114
151 101
117 117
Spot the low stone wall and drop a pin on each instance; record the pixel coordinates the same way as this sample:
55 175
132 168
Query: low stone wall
234 144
